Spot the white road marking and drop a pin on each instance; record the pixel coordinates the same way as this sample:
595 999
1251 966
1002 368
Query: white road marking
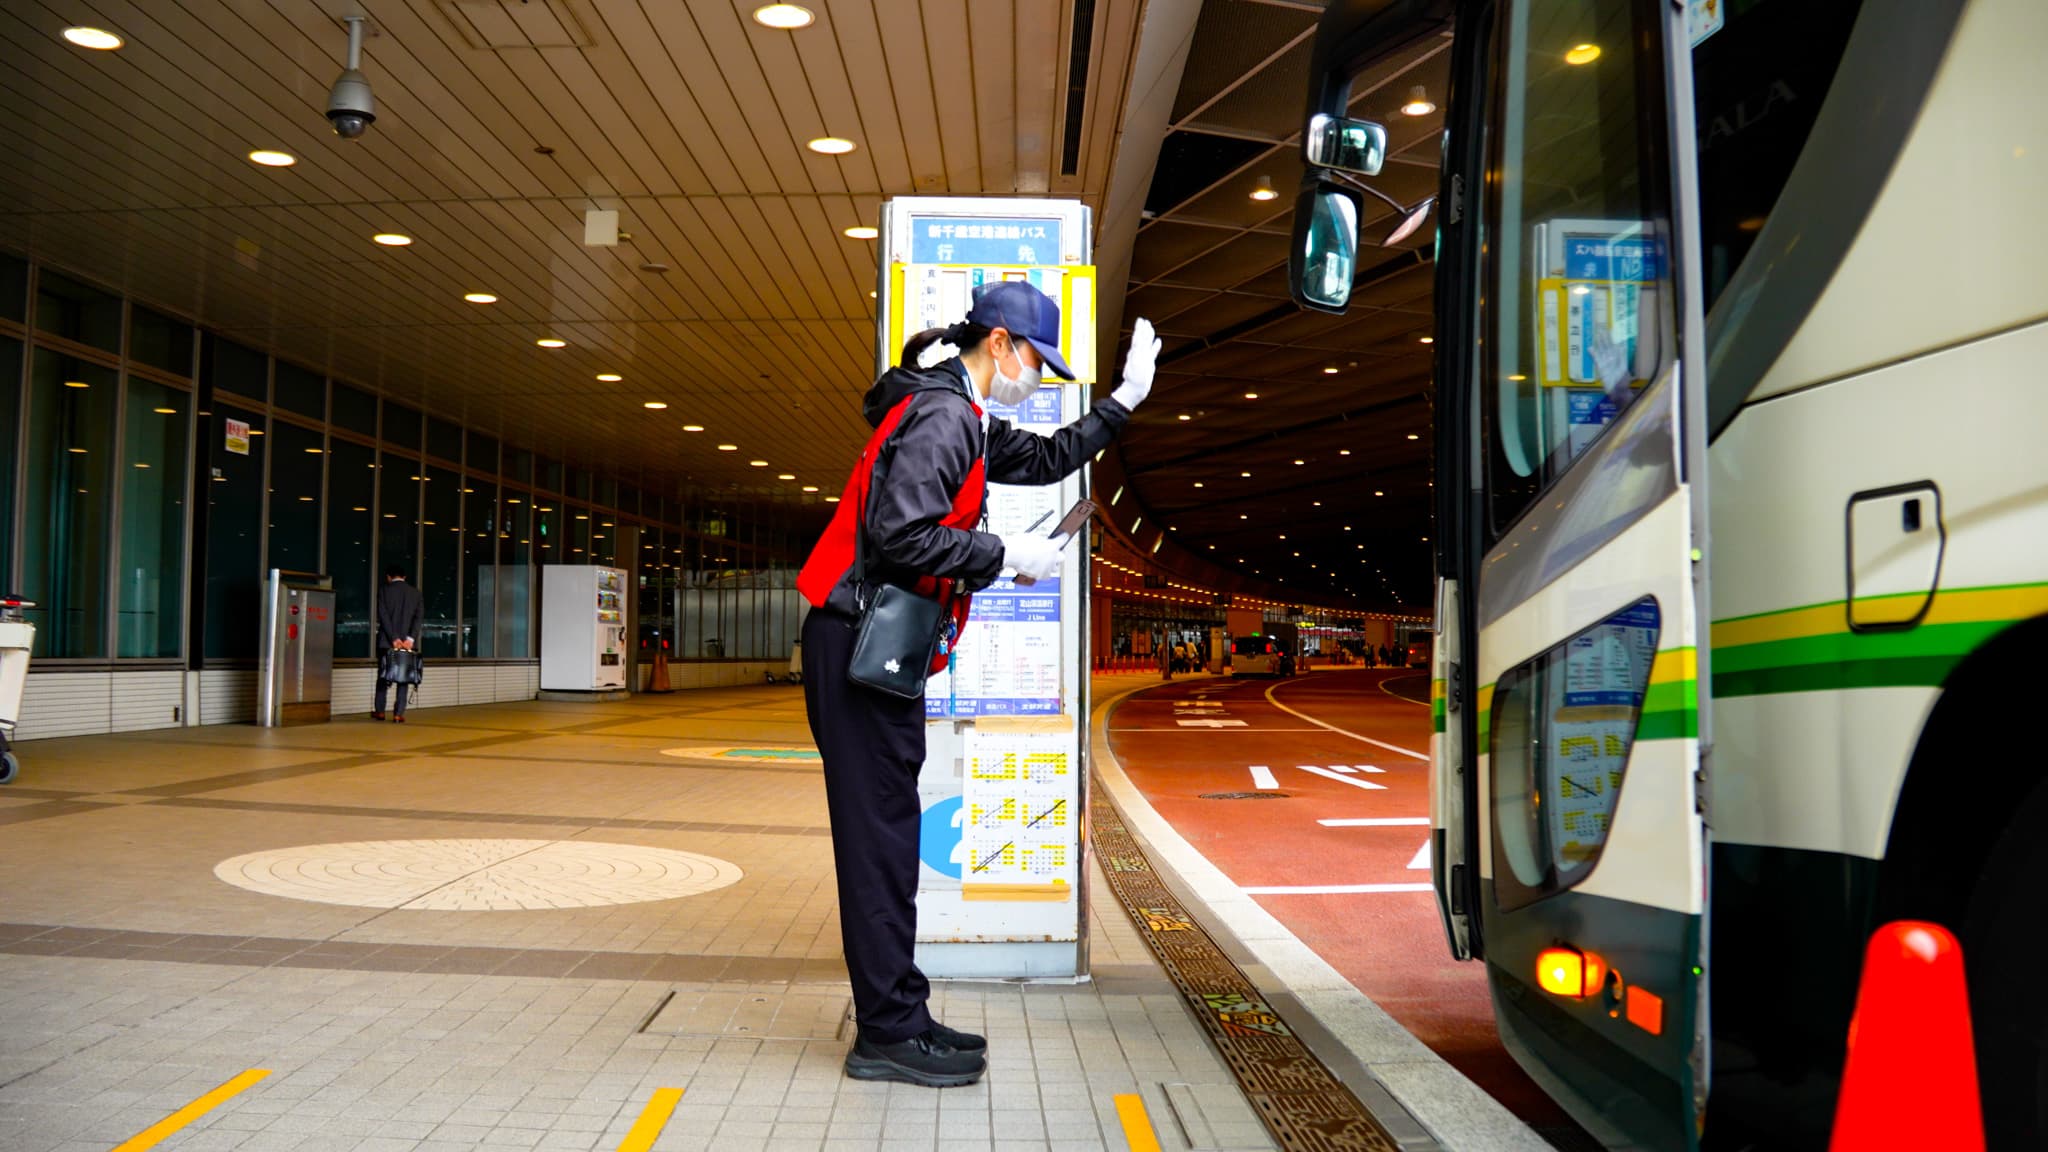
1210 723
1342 768
1342 779
1213 724
1376 822
1262 777
1332 889
1340 731
1369 768
1421 857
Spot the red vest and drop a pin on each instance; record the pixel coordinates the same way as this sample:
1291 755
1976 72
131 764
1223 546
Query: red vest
832 559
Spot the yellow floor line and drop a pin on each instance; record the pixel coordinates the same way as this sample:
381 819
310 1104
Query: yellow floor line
1130 1110
653 1119
165 1128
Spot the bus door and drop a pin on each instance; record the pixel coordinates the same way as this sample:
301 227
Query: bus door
1572 349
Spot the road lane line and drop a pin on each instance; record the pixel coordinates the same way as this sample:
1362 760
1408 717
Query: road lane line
1376 822
1343 779
1421 860
653 1118
1262 777
1342 768
170 1125
1137 1125
1332 889
1339 731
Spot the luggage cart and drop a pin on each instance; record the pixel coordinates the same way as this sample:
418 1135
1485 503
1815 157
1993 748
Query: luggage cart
17 639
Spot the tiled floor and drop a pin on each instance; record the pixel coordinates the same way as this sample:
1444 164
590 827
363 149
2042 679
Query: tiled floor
132 979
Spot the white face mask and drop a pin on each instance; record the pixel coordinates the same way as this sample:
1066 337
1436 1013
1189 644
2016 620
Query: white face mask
1014 390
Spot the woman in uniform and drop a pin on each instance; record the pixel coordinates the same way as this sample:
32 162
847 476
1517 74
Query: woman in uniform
920 495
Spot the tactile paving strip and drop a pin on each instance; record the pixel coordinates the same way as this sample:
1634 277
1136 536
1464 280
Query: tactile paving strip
1303 1105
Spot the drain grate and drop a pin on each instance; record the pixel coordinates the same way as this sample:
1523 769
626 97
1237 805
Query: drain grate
754 1016
1303 1105
1243 796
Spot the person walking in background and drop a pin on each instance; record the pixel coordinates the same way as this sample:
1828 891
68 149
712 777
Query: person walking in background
398 626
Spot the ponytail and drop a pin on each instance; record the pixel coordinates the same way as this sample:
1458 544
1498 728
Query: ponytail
965 335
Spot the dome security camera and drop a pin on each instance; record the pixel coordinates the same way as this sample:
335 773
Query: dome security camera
350 107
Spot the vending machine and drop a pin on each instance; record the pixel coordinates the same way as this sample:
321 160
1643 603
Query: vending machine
582 628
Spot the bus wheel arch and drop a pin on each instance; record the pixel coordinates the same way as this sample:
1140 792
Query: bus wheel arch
1967 849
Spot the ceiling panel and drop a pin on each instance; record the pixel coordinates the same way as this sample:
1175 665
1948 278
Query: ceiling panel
688 118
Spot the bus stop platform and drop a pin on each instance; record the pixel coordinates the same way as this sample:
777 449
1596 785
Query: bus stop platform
589 926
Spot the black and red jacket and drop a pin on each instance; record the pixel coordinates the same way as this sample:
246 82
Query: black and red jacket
930 461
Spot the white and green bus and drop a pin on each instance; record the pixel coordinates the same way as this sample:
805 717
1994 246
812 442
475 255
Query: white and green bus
1742 527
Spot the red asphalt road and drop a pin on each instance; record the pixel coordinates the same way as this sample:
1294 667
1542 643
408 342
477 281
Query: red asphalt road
1178 741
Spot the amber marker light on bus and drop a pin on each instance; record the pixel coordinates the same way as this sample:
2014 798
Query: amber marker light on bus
1569 972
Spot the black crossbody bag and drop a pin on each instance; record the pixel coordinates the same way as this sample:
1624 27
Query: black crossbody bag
899 631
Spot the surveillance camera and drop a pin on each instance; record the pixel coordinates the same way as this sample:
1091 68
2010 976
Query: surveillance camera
350 107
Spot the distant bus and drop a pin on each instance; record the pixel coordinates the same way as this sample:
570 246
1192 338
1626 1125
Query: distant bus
1418 650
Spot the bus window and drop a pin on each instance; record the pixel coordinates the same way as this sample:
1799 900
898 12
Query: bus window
1562 727
1577 277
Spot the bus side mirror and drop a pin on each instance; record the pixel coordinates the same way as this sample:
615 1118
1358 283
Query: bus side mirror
1355 146
1325 247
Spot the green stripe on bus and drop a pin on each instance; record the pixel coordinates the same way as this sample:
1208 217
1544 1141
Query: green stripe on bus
1952 641
1899 672
1436 714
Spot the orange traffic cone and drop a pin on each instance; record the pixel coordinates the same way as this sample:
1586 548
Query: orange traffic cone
658 680
1911 1081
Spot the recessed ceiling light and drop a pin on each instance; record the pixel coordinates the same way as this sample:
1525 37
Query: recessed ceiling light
1330 371
862 232
810 487
654 404
1299 463
480 298
1251 395
787 476
728 447
551 342
392 239
1185 416
831 499
97 39
693 427
1343 451
1246 475
1198 484
757 463
830 145
273 159
1428 340
783 16
1413 436
610 377
1582 54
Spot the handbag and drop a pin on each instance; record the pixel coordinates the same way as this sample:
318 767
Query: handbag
399 666
899 630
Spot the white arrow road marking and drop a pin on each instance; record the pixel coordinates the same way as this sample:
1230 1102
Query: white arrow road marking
1343 779
1210 723
1333 889
1421 857
1342 768
1376 822
1262 777
1369 768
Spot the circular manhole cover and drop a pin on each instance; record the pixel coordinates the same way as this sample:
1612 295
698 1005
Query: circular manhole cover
1244 796
477 875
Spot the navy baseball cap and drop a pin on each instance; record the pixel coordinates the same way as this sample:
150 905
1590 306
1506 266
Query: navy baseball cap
1028 314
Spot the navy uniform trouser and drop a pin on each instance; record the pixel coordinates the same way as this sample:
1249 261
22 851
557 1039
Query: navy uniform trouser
873 748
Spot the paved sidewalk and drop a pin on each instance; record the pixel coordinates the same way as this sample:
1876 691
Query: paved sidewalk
133 979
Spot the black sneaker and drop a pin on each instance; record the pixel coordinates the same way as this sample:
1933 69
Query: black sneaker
923 1059
954 1038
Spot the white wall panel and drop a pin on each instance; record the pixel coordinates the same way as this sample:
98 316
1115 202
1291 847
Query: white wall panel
147 698
65 704
227 696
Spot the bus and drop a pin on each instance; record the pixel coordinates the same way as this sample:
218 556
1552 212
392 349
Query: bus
1741 527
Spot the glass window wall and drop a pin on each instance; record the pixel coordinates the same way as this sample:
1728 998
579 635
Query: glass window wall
77 312
69 501
351 520
234 536
440 561
151 555
480 574
297 465
301 391
160 342
10 439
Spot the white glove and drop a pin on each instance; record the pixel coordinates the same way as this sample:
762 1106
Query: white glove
1031 556
1138 364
